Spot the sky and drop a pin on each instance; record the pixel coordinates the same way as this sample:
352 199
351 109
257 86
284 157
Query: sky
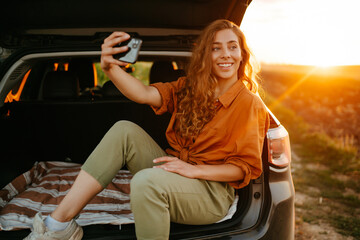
305 32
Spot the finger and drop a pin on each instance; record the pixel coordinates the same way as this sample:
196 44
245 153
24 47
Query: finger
116 62
166 168
116 35
121 63
164 159
114 42
113 51
120 49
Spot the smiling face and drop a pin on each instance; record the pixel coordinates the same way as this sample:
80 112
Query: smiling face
226 55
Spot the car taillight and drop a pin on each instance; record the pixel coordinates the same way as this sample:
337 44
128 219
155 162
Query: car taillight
279 147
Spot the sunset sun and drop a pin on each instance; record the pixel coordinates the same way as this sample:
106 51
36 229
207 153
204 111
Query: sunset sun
320 33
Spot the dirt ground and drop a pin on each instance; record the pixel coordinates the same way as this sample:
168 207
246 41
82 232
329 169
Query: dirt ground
320 230
327 100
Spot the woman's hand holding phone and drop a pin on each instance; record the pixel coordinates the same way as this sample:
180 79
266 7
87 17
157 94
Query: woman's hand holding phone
108 49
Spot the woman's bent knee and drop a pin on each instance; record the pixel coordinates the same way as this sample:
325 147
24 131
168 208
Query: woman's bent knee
124 126
148 181
146 178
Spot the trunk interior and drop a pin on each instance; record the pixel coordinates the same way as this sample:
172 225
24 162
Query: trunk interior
42 126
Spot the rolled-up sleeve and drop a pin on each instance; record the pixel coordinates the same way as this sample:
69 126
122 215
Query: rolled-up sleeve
248 148
168 91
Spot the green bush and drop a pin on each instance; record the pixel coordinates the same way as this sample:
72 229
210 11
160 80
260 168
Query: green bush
315 146
141 71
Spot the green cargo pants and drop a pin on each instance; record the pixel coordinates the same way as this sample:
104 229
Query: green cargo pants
157 196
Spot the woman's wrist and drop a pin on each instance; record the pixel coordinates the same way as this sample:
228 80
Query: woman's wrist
109 67
199 172
220 173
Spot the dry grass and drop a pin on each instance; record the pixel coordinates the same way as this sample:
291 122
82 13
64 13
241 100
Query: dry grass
322 120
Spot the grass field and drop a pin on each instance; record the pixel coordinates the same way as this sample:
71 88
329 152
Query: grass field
321 111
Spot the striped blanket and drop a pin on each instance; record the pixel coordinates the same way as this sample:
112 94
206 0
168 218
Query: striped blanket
43 187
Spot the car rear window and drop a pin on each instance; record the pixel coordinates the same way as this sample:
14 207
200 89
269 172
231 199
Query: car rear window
90 75
140 70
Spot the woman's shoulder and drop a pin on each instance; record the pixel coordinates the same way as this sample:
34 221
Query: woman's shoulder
253 99
181 81
178 84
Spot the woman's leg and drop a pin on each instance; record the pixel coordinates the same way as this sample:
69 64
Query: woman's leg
158 197
84 189
125 143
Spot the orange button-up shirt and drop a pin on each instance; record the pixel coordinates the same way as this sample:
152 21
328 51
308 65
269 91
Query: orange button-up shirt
234 136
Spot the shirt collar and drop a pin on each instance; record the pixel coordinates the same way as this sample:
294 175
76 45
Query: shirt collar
228 97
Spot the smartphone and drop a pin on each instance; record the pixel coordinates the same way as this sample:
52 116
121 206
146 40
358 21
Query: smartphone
132 54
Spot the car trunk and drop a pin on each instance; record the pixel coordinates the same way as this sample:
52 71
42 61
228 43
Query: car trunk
38 27
47 26
68 130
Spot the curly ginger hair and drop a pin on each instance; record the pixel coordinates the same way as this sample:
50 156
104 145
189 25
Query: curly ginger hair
196 98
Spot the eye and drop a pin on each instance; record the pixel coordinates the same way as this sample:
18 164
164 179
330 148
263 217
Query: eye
215 49
232 47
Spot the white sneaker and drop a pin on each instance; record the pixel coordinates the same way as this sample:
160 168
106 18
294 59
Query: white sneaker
40 232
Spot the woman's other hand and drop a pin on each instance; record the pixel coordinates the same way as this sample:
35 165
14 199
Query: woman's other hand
108 50
220 172
175 165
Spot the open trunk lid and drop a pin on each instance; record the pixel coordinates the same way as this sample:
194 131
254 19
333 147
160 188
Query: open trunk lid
58 23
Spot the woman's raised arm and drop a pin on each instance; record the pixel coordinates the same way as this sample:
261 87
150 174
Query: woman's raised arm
131 87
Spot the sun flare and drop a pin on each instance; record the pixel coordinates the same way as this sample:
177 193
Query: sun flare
305 32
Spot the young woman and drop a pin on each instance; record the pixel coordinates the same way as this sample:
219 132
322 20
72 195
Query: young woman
216 135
